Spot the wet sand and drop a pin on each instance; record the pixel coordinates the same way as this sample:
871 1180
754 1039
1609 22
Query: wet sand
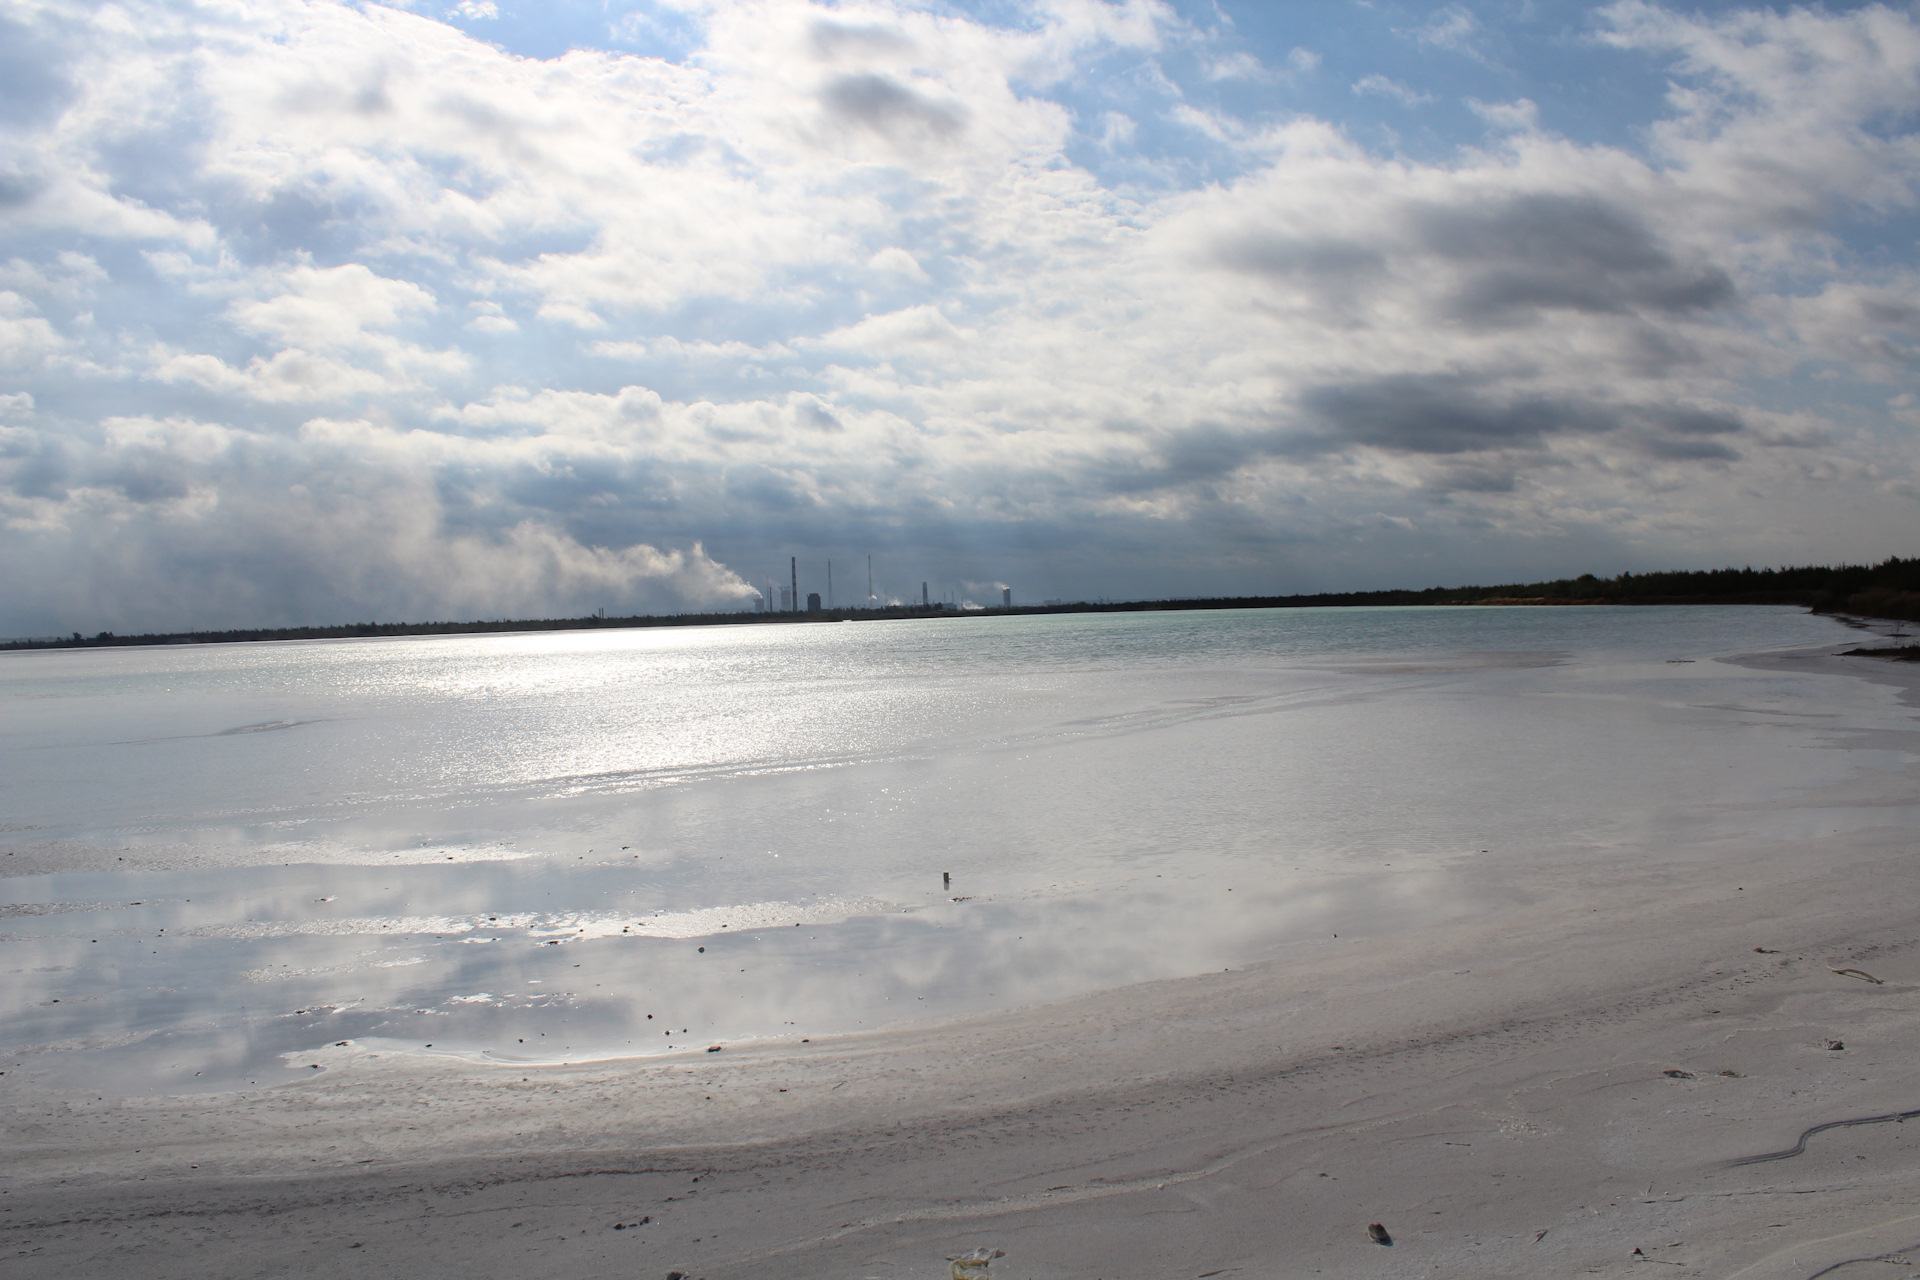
1497 1091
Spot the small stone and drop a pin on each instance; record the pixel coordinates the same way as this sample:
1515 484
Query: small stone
1378 1234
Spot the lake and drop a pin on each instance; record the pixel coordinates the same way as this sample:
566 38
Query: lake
224 861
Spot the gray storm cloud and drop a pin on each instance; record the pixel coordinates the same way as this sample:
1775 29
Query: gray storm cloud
1544 251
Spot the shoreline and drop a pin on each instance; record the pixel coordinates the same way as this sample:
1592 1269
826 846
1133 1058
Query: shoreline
1468 1084
1882 605
936 613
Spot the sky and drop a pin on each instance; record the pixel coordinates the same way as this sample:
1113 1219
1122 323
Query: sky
320 312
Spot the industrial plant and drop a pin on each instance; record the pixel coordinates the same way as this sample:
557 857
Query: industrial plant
777 597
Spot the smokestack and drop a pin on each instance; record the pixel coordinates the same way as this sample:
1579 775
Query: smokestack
793 567
1006 597
923 595
829 584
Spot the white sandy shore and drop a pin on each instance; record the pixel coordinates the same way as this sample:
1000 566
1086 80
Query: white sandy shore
1494 1091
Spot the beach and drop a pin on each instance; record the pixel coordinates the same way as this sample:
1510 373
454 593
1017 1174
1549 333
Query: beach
1561 1081
959 640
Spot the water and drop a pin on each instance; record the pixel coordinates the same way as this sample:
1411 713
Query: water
225 861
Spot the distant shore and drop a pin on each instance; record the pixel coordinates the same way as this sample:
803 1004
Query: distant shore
1890 589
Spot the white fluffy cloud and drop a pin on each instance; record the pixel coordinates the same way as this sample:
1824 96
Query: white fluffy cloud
181 514
322 307
26 338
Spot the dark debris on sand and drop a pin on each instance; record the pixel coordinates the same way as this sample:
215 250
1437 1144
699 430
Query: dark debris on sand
1899 653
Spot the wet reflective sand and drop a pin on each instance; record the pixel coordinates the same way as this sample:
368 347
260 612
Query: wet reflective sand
228 861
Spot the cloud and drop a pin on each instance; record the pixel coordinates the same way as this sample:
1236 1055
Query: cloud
249 525
26 339
1875 327
331 308
1539 251
1380 86
675 348
287 377
490 317
1237 65
1453 28
1784 109
833 39
573 315
891 109
68 277
899 262
1452 413
914 330
1444 413
334 325
1117 131
1522 115
276 288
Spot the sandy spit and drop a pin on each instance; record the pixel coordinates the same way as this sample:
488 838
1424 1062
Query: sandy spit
1578 1086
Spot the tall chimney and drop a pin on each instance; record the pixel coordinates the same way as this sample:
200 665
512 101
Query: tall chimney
793 567
923 595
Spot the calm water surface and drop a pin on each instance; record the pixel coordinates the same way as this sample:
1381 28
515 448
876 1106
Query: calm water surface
225 860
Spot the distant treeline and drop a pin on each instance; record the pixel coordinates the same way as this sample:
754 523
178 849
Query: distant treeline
1890 589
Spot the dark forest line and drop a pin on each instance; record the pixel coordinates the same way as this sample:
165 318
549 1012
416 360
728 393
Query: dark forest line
1890 589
